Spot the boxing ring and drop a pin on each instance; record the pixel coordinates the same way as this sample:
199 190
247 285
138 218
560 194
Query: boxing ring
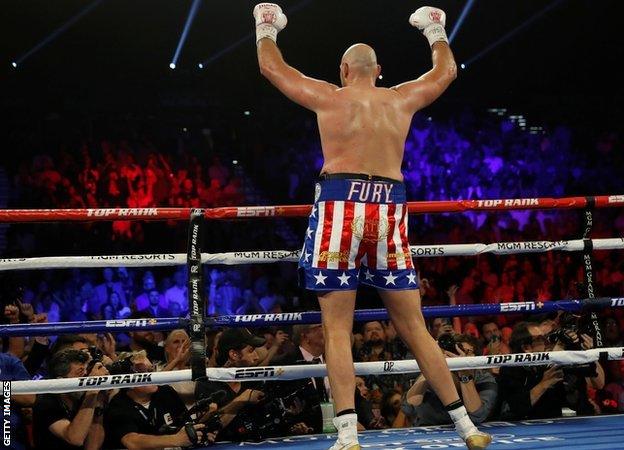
586 433
583 433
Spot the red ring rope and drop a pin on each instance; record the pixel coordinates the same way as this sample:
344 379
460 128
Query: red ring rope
241 212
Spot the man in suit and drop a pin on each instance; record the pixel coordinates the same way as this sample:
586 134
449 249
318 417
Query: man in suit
104 290
309 347
154 308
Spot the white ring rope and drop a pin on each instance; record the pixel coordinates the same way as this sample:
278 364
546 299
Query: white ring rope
272 256
61 385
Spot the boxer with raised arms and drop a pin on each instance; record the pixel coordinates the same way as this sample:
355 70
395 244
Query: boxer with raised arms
357 230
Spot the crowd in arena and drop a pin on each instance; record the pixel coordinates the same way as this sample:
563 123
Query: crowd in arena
469 156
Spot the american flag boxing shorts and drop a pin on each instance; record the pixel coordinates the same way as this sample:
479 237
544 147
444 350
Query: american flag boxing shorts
357 233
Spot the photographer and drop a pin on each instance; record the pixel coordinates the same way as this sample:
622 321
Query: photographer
541 392
236 348
251 410
73 420
492 337
477 388
144 417
576 379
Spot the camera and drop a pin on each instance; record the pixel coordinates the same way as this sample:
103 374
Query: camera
274 415
446 341
193 416
96 357
584 370
570 323
96 354
121 366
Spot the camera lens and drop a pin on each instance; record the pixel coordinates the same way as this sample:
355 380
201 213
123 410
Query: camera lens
446 341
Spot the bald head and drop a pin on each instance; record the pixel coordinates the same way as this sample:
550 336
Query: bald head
359 61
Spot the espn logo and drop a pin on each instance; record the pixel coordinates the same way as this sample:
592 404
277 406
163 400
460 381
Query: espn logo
257 372
517 307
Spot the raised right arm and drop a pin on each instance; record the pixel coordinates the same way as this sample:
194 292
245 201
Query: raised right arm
305 91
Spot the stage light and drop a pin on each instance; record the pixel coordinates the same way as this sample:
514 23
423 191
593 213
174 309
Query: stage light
172 66
14 64
187 26
56 33
459 22
200 65
247 113
380 76
463 66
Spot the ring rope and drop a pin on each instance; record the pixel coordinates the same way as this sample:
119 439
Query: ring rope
62 385
273 256
310 317
246 212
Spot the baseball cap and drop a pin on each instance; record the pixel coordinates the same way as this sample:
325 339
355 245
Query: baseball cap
236 339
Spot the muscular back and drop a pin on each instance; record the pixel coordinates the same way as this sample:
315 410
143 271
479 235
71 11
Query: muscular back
363 127
363 130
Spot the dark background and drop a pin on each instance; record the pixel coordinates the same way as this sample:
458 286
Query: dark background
562 67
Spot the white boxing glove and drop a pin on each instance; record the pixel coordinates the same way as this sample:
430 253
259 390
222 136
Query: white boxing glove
431 22
270 20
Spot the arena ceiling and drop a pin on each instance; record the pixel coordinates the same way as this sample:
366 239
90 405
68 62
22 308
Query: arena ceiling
121 50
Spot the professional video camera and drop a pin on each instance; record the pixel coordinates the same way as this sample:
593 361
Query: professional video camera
574 324
281 408
571 323
194 416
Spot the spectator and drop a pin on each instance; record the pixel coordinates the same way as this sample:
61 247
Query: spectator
12 369
120 311
374 345
142 302
612 335
73 420
250 304
440 325
368 418
392 412
155 308
217 171
616 387
144 340
177 355
104 291
90 303
178 293
493 340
